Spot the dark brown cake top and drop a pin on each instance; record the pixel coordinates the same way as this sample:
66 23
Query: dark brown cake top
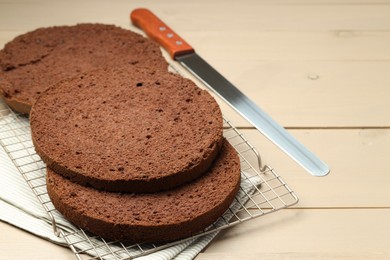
135 131
168 215
36 60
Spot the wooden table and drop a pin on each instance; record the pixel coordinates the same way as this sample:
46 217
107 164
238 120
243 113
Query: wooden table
320 68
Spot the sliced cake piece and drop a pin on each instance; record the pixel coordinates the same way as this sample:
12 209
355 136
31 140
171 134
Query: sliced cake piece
156 217
34 61
127 131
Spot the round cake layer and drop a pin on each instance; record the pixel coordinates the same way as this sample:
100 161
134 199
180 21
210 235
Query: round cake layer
154 217
127 131
34 61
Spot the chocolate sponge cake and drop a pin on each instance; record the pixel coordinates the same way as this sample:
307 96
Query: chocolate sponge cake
34 61
155 217
127 131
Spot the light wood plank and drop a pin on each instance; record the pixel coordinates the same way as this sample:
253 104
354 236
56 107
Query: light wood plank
312 93
292 46
322 234
18 244
321 94
248 14
292 256
360 169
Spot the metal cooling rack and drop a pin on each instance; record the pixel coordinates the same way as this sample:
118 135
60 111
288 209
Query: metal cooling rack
262 191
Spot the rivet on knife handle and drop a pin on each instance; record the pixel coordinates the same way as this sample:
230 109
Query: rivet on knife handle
185 54
160 32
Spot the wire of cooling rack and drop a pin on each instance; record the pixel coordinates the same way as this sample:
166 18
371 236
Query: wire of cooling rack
262 191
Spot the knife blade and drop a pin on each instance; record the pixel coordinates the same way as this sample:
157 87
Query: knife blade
182 52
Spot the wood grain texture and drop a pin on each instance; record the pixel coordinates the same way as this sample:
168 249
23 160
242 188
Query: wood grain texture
360 171
18 244
320 233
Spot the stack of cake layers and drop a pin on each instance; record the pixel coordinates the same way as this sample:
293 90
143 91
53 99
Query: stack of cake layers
133 152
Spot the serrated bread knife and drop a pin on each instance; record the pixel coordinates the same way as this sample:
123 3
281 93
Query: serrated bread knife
182 52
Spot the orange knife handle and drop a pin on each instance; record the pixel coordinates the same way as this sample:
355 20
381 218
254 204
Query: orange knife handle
160 32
